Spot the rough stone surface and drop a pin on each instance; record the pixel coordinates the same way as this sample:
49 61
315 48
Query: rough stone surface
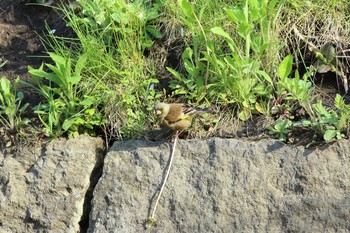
43 188
224 185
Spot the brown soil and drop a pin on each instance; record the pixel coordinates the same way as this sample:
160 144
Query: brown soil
21 26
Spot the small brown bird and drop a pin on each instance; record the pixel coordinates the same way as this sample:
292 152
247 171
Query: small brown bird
177 117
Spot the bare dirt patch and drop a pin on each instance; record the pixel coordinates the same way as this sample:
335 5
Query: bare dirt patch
21 26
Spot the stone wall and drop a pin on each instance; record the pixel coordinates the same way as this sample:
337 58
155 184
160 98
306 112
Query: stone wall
224 185
215 185
43 188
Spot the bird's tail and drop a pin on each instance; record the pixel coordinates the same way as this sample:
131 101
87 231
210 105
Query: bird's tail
191 110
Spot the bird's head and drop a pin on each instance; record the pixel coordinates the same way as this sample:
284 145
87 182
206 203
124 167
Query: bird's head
162 109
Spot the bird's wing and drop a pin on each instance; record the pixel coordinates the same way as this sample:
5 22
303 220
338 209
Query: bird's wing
181 111
189 110
175 113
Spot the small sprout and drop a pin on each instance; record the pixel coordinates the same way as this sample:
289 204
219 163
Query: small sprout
151 222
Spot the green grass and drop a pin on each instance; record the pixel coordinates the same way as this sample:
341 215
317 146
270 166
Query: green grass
114 38
244 57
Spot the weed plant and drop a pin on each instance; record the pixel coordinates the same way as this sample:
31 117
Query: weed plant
248 57
123 32
242 72
113 38
231 72
11 110
70 108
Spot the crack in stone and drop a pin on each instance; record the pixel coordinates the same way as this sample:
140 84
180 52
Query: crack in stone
96 174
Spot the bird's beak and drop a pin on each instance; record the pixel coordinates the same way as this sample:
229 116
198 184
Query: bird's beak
158 112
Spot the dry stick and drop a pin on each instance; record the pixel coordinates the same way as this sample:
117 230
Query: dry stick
312 47
166 176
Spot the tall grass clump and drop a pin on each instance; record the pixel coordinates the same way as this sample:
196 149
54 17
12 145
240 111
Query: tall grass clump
70 108
115 37
232 54
316 32
247 57
11 111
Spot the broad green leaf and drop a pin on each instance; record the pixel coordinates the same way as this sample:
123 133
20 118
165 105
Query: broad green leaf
90 111
24 107
74 79
329 134
306 122
187 54
187 9
58 71
73 134
181 92
199 82
101 19
57 58
5 85
244 29
52 120
148 43
285 68
258 45
20 95
260 89
254 10
282 137
154 31
189 67
271 5
235 15
244 114
175 73
339 102
265 76
120 17
8 144
68 123
80 64
49 76
152 14
219 31
153 80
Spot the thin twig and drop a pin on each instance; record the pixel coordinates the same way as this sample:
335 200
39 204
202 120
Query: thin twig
312 47
165 178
